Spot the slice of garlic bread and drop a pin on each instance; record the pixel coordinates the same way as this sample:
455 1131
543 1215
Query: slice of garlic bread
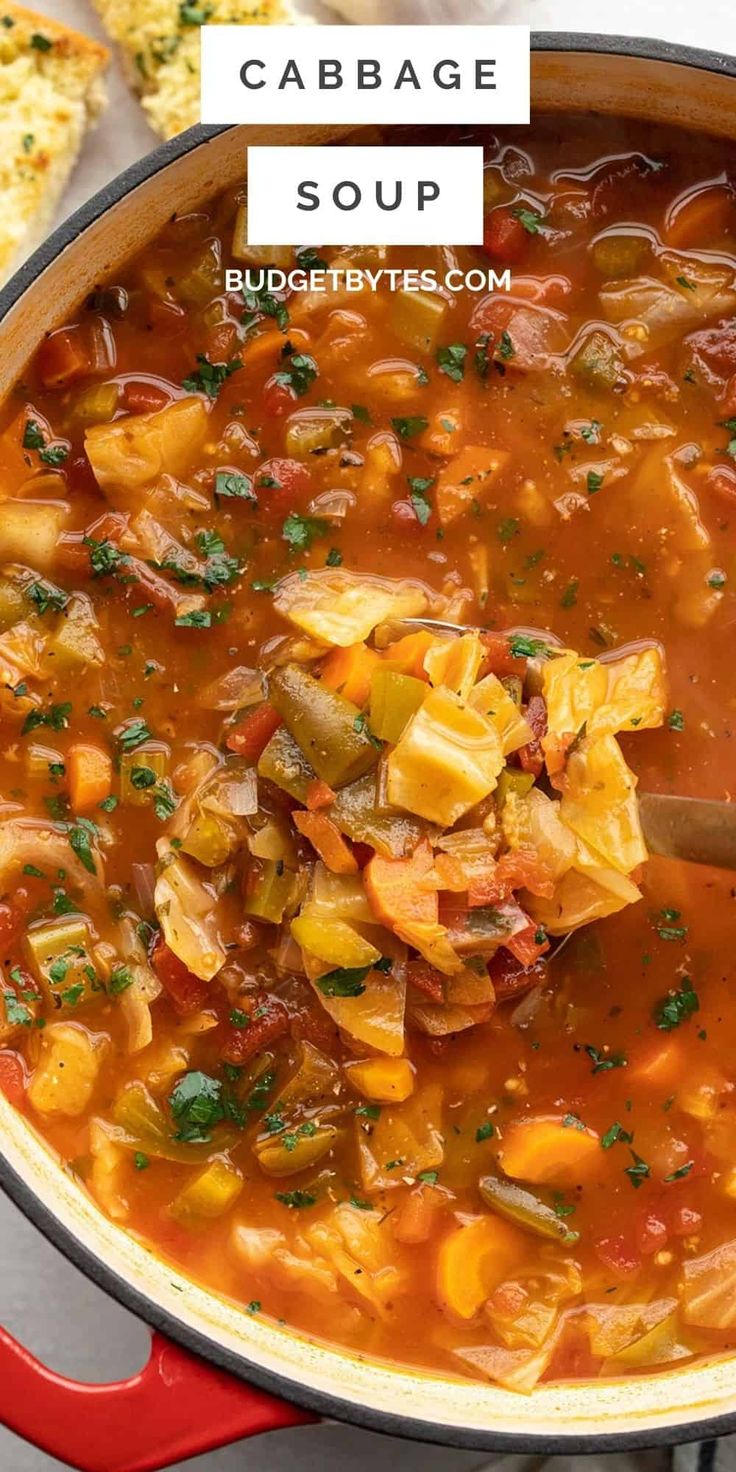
159 43
50 93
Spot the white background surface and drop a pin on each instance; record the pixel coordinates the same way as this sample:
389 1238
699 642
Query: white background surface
53 1309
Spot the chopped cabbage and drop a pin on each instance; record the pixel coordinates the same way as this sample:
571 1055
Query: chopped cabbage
709 1296
342 608
404 1140
187 911
375 1018
454 663
492 699
614 1327
534 821
448 759
135 450
599 804
589 891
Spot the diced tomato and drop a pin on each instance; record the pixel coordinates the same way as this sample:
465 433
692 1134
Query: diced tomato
504 236
282 483
13 915
63 358
713 351
187 991
250 737
278 398
511 978
76 352
222 343
521 868
618 1254
268 1020
613 181
498 659
166 318
12 1076
685 1220
142 397
531 756
651 1234
424 977
525 945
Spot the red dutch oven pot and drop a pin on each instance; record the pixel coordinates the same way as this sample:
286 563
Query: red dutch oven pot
216 1374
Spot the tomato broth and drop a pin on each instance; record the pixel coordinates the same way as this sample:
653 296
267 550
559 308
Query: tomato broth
234 814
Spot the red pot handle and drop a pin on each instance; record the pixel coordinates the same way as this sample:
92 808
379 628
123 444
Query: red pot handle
175 1407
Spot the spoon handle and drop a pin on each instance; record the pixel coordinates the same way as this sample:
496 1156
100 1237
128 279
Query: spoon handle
698 829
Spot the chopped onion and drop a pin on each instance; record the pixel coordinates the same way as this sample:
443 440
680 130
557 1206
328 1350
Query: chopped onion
144 883
239 688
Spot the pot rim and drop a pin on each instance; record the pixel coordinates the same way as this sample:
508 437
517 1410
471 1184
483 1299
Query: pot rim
122 1289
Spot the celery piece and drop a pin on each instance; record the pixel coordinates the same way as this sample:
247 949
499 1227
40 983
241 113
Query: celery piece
416 318
209 1195
270 890
141 772
58 953
512 779
597 362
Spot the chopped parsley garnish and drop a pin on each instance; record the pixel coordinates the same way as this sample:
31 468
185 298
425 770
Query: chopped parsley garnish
262 303
197 618
638 1172
680 1173
81 835
360 413
56 717
44 596
299 375
344 981
16 1013
334 557
40 43
532 221
141 1161
105 558
419 485
310 259
614 1134
677 1007
507 529
522 647
301 531
603 1062
232 485
133 735
506 349
594 481
407 428
484 1131
676 720
451 361
208 378
120 979
296 1199
198 1102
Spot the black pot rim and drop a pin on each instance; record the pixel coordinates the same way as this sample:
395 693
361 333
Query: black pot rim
21 1193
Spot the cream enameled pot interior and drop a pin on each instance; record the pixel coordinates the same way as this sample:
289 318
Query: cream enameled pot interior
659 91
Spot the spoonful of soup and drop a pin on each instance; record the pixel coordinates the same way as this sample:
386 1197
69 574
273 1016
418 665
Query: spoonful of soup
697 830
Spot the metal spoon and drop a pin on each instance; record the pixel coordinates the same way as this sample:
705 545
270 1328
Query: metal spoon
697 829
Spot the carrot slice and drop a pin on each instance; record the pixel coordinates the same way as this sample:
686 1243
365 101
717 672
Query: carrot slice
549 1149
319 795
327 840
520 869
406 656
89 770
398 891
700 218
349 672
